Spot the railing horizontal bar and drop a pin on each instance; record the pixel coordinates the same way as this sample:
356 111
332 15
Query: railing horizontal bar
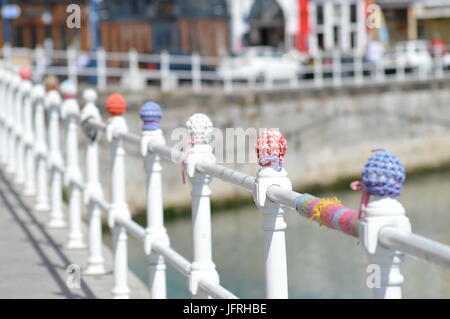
229 175
415 245
104 205
91 123
215 291
174 258
167 152
131 226
130 137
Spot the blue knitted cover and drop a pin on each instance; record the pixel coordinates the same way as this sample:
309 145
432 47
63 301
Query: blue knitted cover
383 175
151 115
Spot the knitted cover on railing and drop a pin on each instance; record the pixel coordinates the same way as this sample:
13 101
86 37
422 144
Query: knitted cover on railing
25 73
328 212
115 104
151 116
270 147
383 175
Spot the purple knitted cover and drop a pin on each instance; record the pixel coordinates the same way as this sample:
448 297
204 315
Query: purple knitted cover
151 116
383 175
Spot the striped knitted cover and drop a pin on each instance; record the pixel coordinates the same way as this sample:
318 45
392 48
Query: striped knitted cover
328 212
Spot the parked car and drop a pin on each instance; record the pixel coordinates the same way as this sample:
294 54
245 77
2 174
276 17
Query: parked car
413 55
258 63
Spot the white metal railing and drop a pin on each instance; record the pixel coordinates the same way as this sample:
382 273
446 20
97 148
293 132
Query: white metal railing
384 229
132 70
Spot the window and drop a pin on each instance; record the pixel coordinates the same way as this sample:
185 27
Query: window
319 14
353 13
353 40
320 41
336 35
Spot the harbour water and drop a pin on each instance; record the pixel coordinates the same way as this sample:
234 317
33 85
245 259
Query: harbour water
322 263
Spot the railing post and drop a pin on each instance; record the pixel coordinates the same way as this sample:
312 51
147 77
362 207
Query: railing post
438 63
7 52
42 199
164 59
358 67
196 72
133 66
18 124
10 134
151 135
70 112
380 70
200 131
101 69
399 66
41 63
337 72
55 161
93 188
116 106
3 114
318 69
28 135
383 176
271 147
72 65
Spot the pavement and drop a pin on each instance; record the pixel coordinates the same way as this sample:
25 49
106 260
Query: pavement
34 260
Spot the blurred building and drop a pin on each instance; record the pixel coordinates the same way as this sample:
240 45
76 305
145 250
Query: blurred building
307 25
213 27
146 25
413 19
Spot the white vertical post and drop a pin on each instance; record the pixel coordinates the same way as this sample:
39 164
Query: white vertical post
93 188
152 135
116 106
227 81
318 69
70 112
42 198
165 71
337 72
438 62
380 70
133 66
13 81
384 263
41 63
3 115
72 65
101 69
55 163
399 66
273 221
200 131
28 140
18 127
196 72
7 52
358 67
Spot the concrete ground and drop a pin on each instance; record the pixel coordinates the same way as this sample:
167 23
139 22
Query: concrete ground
34 260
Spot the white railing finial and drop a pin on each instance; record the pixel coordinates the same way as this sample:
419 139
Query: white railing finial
70 112
200 131
271 148
151 114
383 176
116 106
93 187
